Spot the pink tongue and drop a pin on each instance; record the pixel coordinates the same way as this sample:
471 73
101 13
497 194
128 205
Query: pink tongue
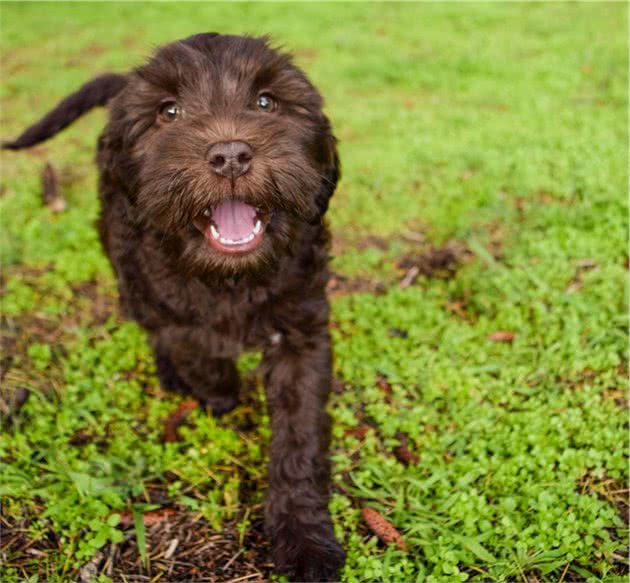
233 219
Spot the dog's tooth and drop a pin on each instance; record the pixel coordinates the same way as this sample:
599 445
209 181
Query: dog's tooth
226 241
207 213
257 227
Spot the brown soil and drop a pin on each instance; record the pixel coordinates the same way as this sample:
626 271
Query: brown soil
181 548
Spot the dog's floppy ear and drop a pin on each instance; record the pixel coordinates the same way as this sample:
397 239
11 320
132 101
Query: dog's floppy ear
330 174
94 93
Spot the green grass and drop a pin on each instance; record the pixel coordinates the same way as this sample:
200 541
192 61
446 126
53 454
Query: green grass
503 127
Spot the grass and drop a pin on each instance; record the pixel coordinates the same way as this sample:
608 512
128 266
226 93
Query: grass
496 131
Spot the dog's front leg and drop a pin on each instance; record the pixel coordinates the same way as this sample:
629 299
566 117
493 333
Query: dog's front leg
298 379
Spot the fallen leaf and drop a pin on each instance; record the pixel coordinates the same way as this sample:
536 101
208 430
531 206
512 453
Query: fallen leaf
148 518
575 285
383 384
403 454
337 386
457 308
382 528
358 432
176 418
502 336
80 437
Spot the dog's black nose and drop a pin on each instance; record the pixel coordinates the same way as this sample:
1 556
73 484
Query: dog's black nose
230 159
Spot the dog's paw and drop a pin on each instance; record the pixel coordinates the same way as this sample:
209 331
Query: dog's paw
308 555
220 405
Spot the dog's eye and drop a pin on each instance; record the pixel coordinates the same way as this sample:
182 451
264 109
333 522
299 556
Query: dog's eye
266 102
169 111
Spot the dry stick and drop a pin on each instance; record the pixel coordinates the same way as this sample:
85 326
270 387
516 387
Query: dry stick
51 192
171 548
410 277
176 418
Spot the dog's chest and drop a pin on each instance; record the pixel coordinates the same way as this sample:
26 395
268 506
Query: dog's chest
223 316
245 315
230 316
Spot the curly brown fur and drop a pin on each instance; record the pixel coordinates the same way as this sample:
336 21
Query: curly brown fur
203 306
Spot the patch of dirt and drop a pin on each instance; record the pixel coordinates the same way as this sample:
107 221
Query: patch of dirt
19 332
582 266
102 306
341 243
8 344
431 262
617 391
20 552
92 50
617 494
186 549
459 307
39 151
51 191
373 242
308 55
179 548
339 285
11 402
436 262
16 339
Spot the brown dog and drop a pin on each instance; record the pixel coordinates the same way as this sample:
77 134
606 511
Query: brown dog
216 168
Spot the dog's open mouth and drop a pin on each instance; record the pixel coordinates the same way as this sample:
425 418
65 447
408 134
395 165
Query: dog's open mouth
232 226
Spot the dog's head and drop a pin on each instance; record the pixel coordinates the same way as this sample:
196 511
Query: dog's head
221 143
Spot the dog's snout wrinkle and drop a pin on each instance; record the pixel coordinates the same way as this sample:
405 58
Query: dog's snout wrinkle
230 159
